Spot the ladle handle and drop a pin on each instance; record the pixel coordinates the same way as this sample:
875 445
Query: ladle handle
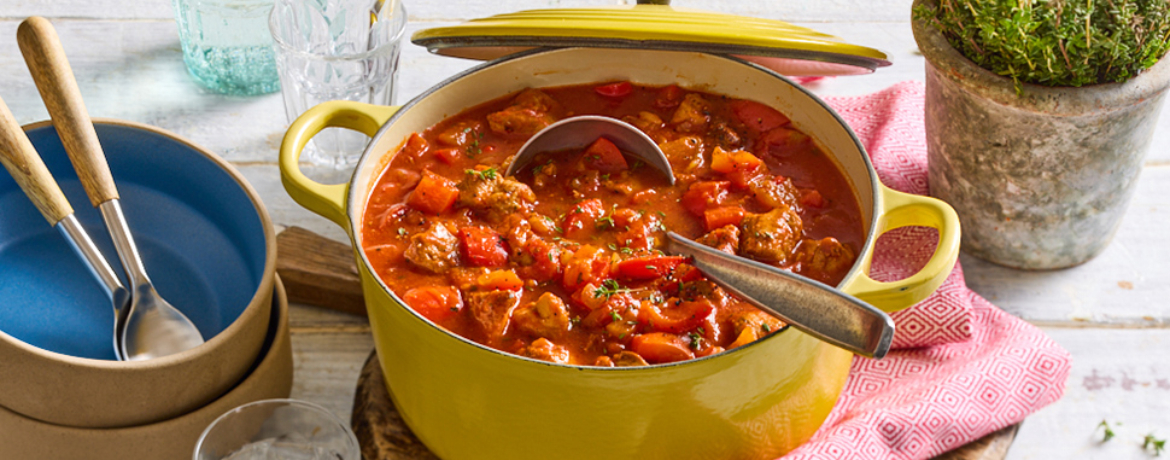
814 308
22 161
54 79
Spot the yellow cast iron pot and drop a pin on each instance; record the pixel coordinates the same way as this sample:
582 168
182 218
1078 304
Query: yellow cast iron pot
467 401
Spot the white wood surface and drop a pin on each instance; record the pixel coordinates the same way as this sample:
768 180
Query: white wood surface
1111 313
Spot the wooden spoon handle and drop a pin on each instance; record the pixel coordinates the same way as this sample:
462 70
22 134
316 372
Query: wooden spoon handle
22 161
58 87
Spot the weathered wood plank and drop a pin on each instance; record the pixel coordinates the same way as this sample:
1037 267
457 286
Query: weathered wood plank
319 271
312 318
326 366
1117 375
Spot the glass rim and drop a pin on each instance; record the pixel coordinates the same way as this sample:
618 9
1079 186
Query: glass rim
286 401
395 40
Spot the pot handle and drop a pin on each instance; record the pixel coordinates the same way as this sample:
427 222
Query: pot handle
326 200
905 210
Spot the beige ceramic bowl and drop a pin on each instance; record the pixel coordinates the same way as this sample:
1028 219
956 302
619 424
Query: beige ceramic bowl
210 237
173 439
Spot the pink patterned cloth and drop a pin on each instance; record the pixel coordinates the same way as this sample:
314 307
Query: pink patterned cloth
961 368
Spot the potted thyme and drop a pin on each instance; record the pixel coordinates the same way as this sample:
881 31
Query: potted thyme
1038 116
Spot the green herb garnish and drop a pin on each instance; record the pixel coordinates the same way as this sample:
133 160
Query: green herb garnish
608 288
487 174
1150 442
695 340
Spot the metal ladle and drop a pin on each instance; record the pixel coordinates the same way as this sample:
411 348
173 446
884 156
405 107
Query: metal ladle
22 161
152 327
810 306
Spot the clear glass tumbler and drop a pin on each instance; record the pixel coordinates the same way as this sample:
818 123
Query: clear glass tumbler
278 429
226 45
336 50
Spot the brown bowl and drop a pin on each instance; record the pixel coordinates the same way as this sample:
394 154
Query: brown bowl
271 377
209 246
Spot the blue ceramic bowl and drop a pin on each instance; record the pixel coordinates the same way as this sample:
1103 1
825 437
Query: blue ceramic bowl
270 377
206 241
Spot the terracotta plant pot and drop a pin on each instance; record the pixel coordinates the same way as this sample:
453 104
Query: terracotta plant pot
1040 179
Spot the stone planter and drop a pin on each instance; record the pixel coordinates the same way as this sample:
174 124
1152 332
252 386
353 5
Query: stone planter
1040 181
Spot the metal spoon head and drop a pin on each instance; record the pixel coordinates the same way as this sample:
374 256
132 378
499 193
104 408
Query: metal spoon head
579 132
83 246
154 328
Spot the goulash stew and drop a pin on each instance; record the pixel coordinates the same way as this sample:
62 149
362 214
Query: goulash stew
564 261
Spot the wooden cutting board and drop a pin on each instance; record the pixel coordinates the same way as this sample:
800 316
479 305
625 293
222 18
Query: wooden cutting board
319 271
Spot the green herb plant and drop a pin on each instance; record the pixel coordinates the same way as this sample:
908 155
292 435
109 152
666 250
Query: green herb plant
1055 42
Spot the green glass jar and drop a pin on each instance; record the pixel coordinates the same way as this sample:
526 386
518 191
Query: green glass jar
227 46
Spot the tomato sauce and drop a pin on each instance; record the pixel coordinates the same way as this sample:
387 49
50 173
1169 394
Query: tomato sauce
564 261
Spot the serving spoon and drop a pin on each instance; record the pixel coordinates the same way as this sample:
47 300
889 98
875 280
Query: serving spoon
151 328
810 306
22 161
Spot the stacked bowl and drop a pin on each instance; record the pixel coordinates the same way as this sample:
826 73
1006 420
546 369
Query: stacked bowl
210 248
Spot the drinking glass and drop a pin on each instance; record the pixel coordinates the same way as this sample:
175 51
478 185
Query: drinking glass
226 46
278 429
336 50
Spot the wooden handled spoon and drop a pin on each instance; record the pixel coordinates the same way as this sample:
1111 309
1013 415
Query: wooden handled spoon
152 328
22 161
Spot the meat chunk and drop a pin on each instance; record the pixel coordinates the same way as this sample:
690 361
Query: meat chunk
547 317
545 350
700 290
518 121
461 134
493 196
757 321
492 310
535 99
629 359
530 112
435 250
751 325
822 259
770 237
774 192
652 125
724 136
725 238
692 115
518 234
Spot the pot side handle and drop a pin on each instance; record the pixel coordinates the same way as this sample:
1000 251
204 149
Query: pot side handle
906 210
326 200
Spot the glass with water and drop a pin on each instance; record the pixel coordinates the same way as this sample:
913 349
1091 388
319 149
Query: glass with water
278 429
226 44
336 50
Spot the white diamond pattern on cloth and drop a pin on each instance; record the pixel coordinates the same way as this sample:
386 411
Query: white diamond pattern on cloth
961 368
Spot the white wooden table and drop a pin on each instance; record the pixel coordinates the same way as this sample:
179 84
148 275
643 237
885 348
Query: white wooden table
1111 313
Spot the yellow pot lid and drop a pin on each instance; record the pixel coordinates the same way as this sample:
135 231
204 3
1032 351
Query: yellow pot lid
777 45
